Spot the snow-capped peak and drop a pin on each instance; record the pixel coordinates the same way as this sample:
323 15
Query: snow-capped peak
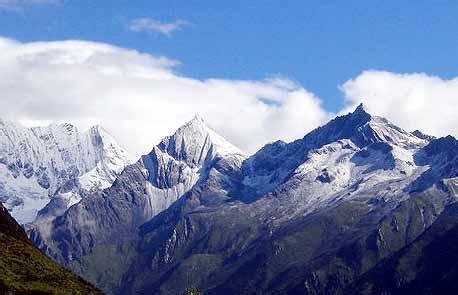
101 137
357 131
197 119
111 160
195 142
385 131
363 129
35 163
361 108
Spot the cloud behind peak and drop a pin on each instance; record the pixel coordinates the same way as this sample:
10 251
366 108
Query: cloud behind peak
139 98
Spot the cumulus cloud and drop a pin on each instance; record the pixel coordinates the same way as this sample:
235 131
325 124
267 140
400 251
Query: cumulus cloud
140 98
412 101
152 25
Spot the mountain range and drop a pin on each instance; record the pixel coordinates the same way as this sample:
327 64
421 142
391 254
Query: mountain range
357 205
56 163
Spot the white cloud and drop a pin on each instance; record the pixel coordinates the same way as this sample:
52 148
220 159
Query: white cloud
152 25
14 4
140 98
412 101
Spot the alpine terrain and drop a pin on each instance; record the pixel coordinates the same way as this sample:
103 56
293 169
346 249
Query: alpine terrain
356 205
26 270
55 163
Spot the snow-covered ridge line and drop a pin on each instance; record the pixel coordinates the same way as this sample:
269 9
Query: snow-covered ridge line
37 163
275 162
194 142
58 161
192 155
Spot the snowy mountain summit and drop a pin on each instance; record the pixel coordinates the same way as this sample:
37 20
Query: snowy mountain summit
343 145
195 142
358 182
42 163
194 154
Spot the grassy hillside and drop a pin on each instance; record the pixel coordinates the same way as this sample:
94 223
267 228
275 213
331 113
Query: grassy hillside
26 270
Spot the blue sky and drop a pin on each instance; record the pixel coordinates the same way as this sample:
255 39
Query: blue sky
257 71
319 44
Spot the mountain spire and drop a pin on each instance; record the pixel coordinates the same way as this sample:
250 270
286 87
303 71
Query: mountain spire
361 108
197 118
363 129
195 142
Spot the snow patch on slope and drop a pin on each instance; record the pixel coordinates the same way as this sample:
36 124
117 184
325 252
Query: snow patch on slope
23 196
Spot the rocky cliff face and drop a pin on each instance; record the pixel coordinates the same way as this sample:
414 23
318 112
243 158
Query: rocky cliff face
311 216
425 266
108 221
38 164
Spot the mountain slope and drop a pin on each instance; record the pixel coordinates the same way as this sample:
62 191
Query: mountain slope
42 163
311 216
308 217
426 266
104 226
25 270
275 163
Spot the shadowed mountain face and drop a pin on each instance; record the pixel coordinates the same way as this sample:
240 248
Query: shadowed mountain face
25 270
426 266
307 217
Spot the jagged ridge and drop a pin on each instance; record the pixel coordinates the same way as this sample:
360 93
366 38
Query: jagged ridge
111 218
308 216
38 163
